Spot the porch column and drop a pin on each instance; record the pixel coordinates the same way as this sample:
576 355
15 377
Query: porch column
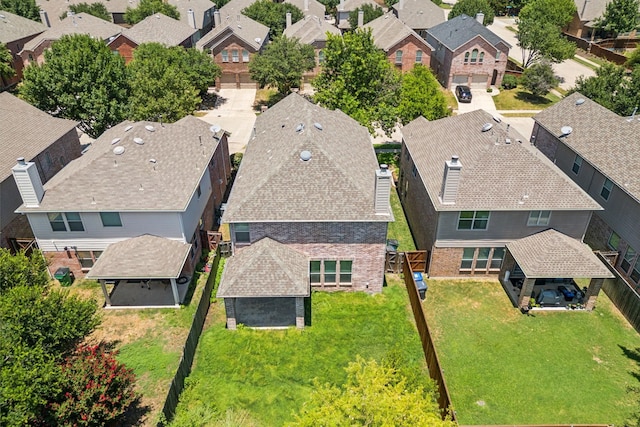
592 293
300 312
106 294
230 308
525 292
174 289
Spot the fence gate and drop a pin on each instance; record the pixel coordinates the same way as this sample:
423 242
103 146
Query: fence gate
393 262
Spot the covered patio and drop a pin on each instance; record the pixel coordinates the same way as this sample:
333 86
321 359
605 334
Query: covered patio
265 285
543 266
143 272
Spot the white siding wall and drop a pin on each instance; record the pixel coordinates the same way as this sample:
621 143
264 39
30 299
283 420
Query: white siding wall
191 217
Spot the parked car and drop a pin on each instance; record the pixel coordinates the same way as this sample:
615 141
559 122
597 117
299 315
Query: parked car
549 297
568 293
463 93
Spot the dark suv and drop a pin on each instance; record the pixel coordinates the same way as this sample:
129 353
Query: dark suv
463 93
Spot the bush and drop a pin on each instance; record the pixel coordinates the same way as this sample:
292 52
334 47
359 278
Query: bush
539 78
509 82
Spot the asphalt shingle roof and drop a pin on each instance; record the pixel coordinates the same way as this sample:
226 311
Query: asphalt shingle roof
419 14
311 29
553 254
26 131
251 32
14 27
101 180
265 269
142 257
459 30
161 29
199 8
314 7
388 31
275 184
607 141
495 176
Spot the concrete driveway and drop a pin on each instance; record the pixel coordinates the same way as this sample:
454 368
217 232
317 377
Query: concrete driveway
480 99
234 113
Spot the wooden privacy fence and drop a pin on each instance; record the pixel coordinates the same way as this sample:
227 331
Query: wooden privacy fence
190 345
622 294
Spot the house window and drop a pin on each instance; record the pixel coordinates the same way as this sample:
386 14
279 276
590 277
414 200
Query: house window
628 259
577 163
199 191
330 271
398 57
110 219
345 271
539 218
234 55
606 189
474 56
481 59
414 170
68 221
320 56
245 55
483 258
225 56
497 55
315 272
241 231
74 221
467 258
635 273
614 241
473 220
88 258
57 222
496 258
466 57
418 56
325 272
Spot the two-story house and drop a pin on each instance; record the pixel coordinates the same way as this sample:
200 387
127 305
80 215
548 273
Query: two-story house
310 184
15 31
597 149
465 52
419 15
345 7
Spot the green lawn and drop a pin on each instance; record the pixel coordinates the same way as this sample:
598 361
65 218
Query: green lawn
268 374
399 229
519 99
503 367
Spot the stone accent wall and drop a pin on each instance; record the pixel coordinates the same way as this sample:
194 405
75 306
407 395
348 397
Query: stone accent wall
545 141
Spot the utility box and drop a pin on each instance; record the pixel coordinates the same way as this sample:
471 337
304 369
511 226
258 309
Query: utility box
64 276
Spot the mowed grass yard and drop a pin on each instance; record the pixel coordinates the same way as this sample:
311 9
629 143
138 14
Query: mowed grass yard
503 367
267 375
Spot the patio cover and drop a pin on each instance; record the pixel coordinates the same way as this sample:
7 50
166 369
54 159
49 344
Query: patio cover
265 269
142 257
553 254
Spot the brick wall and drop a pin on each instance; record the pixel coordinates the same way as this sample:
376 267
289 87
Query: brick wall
453 63
598 233
545 141
220 172
445 262
230 69
409 46
124 46
17 64
64 259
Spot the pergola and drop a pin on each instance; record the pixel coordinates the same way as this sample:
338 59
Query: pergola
140 260
264 285
551 254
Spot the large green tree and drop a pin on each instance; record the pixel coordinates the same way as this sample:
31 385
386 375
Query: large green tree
420 95
25 8
620 16
612 88
81 79
99 10
165 84
539 32
357 78
472 8
273 15
149 7
22 270
282 64
370 13
6 70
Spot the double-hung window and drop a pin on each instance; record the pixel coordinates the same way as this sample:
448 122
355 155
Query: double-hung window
225 55
245 55
614 241
629 256
241 231
345 271
474 56
635 273
320 56
398 57
483 258
330 273
607 186
418 56
539 218
65 221
473 220
234 55
577 164
496 258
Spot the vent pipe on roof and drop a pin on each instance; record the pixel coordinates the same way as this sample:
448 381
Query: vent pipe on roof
44 17
288 20
382 190
216 18
28 182
191 18
360 18
451 181
480 17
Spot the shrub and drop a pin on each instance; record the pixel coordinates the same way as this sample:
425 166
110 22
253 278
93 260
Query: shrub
509 82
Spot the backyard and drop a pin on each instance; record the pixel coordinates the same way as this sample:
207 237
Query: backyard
503 367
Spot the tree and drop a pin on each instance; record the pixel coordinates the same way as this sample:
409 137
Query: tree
539 33
539 78
471 8
357 78
25 8
199 68
282 64
273 15
22 270
370 13
633 58
373 395
420 95
6 59
80 80
620 16
612 89
99 10
330 6
149 7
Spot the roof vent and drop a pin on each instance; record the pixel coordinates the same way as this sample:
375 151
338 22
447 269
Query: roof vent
118 150
305 155
507 141
150 128
566 130
497 119
257 39
579 101
115 141
300 128
486 127
215 128
153 160
317 126
128 128
138 141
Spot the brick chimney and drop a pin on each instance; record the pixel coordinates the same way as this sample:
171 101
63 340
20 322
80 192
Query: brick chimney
288 20
383 190
28 182
450 181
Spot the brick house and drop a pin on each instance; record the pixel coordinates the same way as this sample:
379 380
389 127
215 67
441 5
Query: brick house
53 9
596 149
137 179
403 46
50 145
299 186
312 30
465 52
419 15
470 186
15 31
232 43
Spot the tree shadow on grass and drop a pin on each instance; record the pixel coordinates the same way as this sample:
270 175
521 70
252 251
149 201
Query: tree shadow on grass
634 355
532 99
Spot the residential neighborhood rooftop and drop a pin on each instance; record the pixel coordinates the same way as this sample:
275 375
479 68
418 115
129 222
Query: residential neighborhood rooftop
199 8
306 164
161 29
309 7
600 136
387 31
419 14
500 169
251 32
15 27
311 29
135 166
459 30
19 137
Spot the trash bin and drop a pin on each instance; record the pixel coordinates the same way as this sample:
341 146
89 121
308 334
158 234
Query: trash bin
63 275
422 289
417 276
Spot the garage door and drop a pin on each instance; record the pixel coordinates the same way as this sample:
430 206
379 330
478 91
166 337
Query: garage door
459 79
479 81
228 81
246 82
